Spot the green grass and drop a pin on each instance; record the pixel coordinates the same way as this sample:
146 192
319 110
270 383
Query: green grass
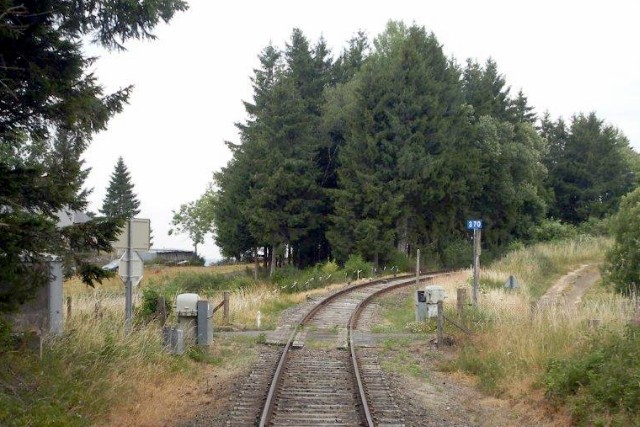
537 267
396 356
600 382
82 374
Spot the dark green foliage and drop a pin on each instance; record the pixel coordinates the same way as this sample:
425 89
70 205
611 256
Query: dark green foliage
199 282
272 187
589 167
149 304
392 147
623 259
356 267
510 172
484 89
289 279
50 106
597 226
5 335
457 253
399 262
552 229
405 98
601 383
120 200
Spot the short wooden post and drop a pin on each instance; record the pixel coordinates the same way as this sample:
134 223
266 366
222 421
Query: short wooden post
461 300
97 312
440 324
225 314
593 323
68 307
533 309
161 310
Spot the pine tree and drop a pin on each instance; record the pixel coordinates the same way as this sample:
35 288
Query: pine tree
405 98
589 168
120 201
285 201
485 90
50 107
521 111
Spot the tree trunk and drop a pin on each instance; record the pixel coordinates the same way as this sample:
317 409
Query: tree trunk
265 260
273 261
255 264
375 265
403 235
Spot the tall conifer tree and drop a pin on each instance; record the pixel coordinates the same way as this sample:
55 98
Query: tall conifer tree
589 168
120 200
50 106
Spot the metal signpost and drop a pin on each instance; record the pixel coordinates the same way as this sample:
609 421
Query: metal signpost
137 237
476 226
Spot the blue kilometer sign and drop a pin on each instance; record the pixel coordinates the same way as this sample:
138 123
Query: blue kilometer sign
474 224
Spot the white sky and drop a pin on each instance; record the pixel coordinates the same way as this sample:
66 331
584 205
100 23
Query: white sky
567 56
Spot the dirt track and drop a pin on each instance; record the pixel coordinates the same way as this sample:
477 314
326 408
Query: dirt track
571 288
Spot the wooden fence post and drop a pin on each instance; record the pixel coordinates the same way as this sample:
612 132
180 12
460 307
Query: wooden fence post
97 312
440 324
161 310
68 307
533 309
461 300
225 316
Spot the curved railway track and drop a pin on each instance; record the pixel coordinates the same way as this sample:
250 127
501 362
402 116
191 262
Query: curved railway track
316 382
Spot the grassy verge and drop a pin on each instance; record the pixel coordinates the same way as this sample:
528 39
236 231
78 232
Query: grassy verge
83 374
549 358
537 267
95 374
553 352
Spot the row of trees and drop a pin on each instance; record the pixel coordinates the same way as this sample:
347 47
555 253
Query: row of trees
50 107
394 145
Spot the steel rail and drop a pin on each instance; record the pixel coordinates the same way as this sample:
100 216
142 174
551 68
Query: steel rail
267 411
353 323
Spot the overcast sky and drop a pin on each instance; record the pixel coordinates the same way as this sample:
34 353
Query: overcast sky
567 57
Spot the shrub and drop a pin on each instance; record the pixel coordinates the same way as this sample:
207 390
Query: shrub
149 303
457 253
604 378
596 226
289 279
5 335
354 264
400 261
331 267
623 259
553 229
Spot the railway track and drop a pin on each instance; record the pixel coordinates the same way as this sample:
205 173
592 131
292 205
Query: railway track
315 382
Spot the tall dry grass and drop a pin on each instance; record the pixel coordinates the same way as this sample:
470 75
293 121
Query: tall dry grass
538 266
514 340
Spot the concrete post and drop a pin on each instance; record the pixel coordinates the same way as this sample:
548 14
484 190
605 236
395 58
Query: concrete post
56 320
205 323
